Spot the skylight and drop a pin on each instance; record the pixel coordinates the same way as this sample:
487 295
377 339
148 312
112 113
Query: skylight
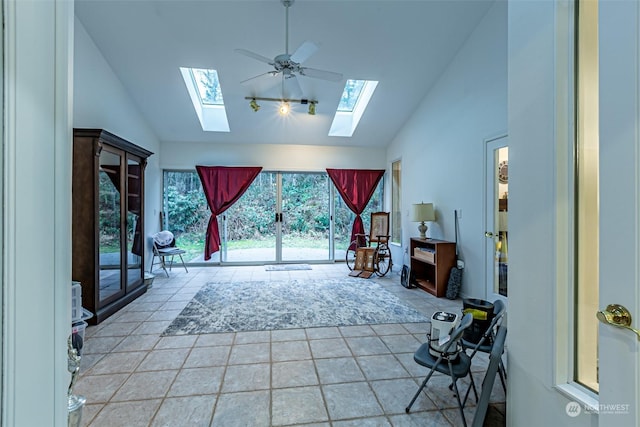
206 95
208 86
350 95
354 100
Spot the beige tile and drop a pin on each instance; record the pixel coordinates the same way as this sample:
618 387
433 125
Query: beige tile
126 414
176 341
207 340
246 378
118 363
89 411
153 328
100 344
207 356
293 374
325 332
362 346
158 360
288 335
119 329
192 411
249 353
293 406
290 350
252 337
197 381
383 366
230 412
331 347
145 385
164 315
99 388
137 343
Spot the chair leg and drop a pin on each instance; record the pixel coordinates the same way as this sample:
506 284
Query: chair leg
183 264
164 266
161 262
422 386
503 376
455 388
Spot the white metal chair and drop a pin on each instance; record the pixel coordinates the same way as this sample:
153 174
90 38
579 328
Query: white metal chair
164 245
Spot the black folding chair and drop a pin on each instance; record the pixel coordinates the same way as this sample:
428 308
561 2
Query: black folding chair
488 339
452 361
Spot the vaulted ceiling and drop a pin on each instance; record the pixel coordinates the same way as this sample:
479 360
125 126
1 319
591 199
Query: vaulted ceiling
405 45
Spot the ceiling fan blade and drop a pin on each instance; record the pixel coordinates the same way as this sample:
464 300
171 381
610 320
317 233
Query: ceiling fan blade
320 74
304 52
255 56
269 73
291 87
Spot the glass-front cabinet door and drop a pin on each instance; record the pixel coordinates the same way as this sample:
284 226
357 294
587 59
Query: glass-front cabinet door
109 226
133 232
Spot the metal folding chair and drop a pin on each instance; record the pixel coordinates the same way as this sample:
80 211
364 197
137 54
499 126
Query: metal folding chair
164 245
453 361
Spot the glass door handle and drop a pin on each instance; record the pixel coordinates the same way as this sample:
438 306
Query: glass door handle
489 234
618 316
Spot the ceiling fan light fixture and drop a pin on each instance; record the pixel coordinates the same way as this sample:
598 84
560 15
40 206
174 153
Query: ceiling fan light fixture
254 105
284 109
312 108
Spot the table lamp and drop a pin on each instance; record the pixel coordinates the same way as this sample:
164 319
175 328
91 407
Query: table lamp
423 212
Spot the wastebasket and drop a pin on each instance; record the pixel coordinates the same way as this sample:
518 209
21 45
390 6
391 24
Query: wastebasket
148 280
482 312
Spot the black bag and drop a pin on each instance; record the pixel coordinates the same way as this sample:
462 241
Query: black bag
405 277
454 284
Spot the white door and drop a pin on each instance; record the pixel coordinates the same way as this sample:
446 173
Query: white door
496 211
619 360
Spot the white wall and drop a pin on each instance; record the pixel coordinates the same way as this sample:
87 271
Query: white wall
36 211
442 145
538 130
102 102
289 158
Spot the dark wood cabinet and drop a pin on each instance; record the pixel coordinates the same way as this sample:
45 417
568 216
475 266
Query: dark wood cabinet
108 220
431 263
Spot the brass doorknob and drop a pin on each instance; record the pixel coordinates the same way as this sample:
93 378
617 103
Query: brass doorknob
488 234
618 316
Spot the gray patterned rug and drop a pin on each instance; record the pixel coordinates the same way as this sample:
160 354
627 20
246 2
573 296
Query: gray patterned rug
259 306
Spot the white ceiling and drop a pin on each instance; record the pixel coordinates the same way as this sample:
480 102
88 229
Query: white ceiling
405 45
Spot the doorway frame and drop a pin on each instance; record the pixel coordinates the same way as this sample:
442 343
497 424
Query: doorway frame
487 204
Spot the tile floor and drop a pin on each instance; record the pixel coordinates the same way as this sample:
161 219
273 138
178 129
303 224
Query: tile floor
334 376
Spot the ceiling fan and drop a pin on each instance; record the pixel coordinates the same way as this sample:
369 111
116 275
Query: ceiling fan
290 65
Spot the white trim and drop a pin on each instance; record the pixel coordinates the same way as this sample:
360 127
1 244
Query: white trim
8 223
36 207
563 367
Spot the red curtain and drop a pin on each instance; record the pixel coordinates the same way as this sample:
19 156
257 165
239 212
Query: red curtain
356 186
222 187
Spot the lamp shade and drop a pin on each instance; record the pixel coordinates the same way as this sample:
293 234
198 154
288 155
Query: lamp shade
423 212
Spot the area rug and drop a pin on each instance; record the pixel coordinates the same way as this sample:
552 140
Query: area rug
286 267
272 305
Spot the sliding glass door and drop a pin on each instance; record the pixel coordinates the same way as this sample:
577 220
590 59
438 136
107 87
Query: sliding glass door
249 227
283 217
305 217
